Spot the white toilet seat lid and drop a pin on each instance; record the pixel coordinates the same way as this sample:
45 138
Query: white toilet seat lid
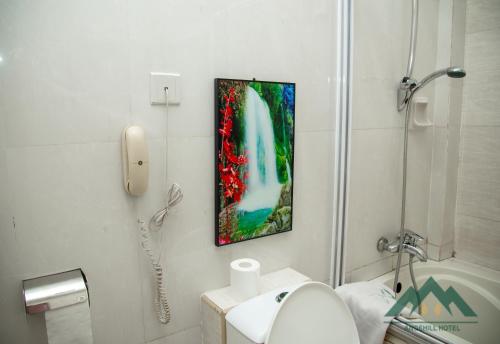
313 313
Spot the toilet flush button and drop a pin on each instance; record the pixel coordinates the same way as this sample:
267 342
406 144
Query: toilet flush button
281 296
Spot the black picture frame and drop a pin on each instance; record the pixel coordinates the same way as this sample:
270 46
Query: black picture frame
218 146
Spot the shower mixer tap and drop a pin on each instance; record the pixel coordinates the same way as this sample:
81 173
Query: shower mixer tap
409 244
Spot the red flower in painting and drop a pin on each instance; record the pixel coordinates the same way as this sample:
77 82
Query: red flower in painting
229 162
224 239
227 128
233 185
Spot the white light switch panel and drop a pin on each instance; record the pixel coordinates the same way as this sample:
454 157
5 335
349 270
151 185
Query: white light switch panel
157 84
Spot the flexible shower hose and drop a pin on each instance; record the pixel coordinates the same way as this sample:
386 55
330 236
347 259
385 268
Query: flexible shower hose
154 255
414 282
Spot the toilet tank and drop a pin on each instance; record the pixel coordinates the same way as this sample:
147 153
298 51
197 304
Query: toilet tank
215 304
249 322
233 336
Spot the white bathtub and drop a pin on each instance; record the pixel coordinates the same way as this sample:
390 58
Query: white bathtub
479 287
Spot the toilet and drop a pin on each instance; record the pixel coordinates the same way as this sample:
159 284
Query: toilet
309 313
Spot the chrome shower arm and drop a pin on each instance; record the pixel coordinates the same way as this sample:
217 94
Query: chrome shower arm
428 79
452 72
408 86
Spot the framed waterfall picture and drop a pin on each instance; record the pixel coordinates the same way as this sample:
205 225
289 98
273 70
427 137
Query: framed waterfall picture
254 148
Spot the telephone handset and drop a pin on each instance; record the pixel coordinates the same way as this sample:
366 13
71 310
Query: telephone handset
135 160
135 179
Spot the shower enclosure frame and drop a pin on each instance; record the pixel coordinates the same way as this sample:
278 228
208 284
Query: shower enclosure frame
343 110
343 119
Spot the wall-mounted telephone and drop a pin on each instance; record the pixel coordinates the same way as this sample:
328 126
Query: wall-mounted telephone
135 160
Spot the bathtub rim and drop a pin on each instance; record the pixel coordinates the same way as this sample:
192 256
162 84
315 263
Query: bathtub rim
454 264
399 326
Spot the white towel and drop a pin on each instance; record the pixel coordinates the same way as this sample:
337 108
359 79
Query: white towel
369 302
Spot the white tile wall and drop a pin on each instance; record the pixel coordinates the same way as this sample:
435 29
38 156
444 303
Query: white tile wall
189 336
372 270
479 180
447 120
478 204
437 197
375 193
476 240
381 41
483 15
74 74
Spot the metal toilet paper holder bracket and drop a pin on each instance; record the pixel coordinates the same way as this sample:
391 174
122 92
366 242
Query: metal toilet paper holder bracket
55 291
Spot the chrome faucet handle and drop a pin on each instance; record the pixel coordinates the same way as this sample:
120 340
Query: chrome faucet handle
383 244
412 238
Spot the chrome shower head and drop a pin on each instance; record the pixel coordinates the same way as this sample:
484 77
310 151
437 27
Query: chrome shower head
455 72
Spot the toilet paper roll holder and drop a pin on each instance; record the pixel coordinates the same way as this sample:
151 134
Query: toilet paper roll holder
55 291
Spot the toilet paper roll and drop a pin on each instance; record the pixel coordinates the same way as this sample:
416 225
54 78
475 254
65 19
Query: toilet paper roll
69 325
245 276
